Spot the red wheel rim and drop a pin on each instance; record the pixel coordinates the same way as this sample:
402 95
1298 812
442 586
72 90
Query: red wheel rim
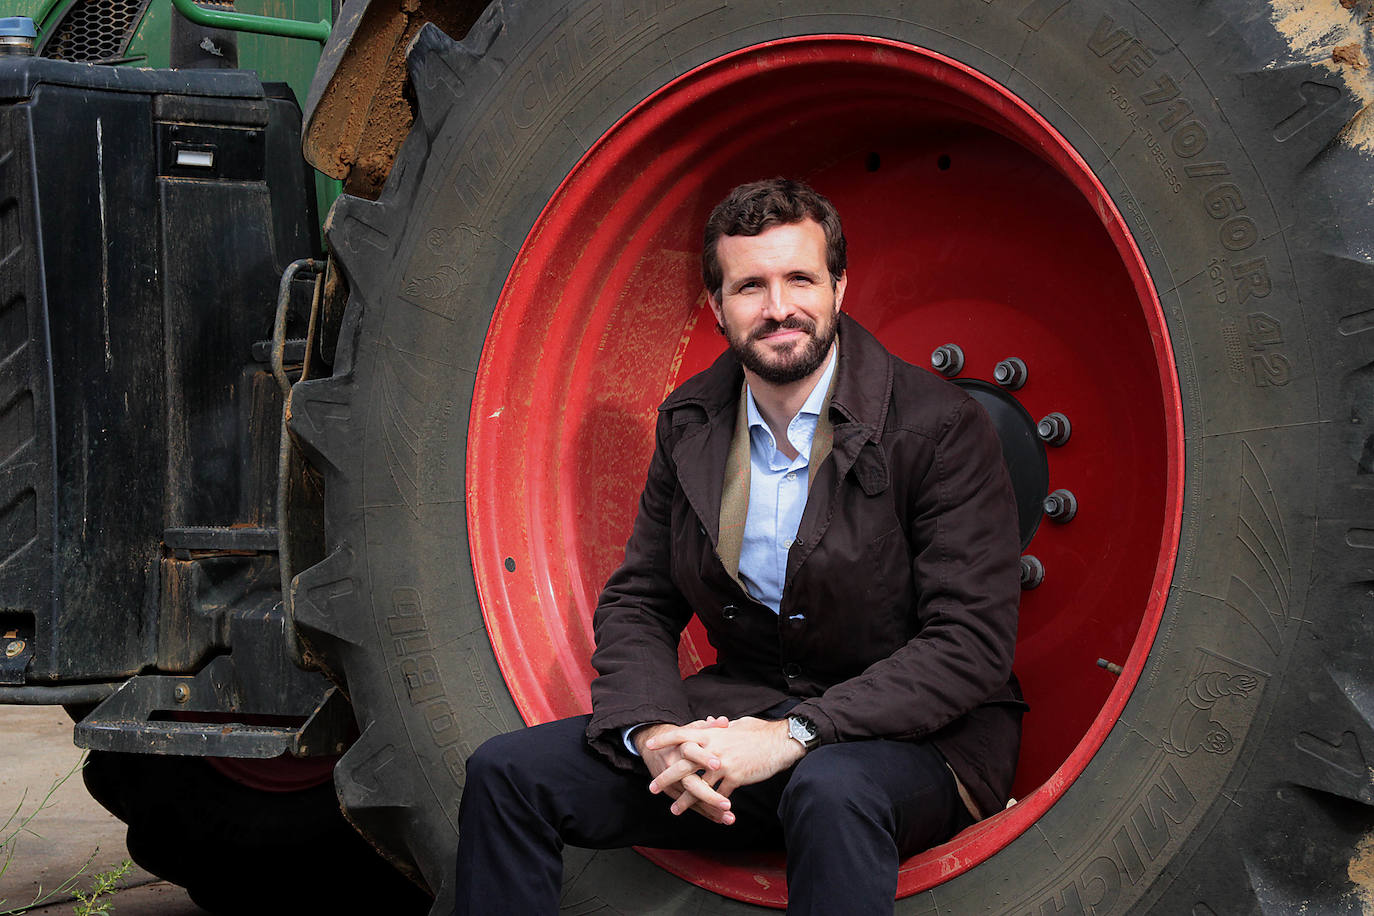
970 220
276 774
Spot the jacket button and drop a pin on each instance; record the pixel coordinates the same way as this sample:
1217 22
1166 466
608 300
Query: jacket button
791 669
729 611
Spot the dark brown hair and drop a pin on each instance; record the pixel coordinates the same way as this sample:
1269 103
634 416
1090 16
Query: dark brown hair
751 208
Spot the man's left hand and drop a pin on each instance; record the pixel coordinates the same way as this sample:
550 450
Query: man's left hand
750 750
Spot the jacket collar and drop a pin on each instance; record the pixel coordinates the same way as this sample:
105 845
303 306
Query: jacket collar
707 403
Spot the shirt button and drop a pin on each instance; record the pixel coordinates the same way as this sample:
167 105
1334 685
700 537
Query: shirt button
791 670
792 475
787 543
728 612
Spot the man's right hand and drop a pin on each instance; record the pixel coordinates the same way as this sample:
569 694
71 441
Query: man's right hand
676 770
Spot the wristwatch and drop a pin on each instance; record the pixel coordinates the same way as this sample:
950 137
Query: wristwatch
804 730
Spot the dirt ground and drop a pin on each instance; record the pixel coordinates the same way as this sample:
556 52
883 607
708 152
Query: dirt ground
71 833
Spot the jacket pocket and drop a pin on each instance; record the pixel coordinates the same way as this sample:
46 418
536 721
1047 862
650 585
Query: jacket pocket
888 579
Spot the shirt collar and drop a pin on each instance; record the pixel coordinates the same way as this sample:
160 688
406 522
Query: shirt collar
812 405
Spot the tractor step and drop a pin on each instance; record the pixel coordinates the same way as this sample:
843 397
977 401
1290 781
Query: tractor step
205 539
201 716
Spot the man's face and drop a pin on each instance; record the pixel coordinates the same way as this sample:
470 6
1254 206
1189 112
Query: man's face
776 303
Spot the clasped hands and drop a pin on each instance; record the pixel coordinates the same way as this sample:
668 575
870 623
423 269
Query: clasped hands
699 764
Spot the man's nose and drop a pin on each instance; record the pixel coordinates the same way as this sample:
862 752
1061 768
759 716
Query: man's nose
777 305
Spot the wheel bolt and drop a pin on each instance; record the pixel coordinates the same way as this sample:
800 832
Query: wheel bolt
181 693
1032 572
1054 429
947 359
1010 373
14 647
1061 506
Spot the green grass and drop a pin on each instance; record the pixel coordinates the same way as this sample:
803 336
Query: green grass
20 823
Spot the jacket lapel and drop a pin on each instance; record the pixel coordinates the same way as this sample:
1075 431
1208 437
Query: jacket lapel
857 407
705 405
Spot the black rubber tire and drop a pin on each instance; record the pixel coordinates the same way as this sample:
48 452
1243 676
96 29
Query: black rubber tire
1272 579
191 825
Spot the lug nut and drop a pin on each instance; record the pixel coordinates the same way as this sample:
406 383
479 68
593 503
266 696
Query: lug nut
1010 373
947 359
181 693
1054 429
1032 572
14 647
1061 506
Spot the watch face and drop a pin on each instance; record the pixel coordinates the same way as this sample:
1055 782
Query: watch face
803 729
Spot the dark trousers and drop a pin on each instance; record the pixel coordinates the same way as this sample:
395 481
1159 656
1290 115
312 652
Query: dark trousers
846 815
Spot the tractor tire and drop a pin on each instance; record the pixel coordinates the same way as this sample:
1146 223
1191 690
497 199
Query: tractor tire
196 827
1193 282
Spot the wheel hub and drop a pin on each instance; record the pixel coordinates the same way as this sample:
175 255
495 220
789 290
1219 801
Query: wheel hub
1022 449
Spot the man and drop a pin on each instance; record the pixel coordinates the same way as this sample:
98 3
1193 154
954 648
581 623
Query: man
843 525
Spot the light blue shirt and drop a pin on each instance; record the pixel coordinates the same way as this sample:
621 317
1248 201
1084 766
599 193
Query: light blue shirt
777 493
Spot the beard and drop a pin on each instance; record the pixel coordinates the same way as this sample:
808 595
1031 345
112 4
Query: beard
789 366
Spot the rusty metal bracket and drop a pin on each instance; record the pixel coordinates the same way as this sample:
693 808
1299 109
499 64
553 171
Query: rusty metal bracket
206 715
283 309
300 507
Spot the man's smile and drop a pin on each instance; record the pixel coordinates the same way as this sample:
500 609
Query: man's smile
787 331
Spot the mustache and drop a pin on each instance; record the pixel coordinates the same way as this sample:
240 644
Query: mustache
790 323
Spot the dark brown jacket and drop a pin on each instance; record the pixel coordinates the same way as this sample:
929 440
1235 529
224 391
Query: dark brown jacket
899 609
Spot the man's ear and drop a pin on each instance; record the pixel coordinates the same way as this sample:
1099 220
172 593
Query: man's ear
840 286
715 310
